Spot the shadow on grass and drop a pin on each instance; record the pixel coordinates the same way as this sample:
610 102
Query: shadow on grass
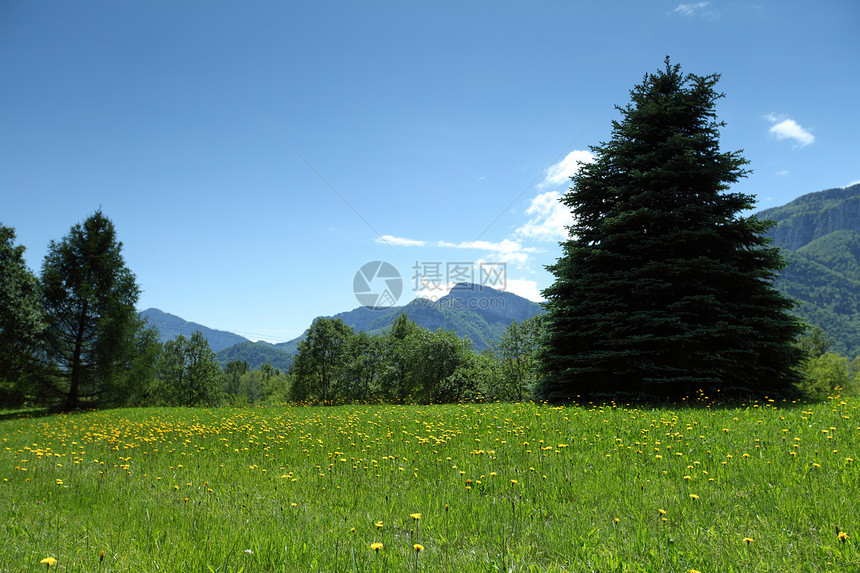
18 413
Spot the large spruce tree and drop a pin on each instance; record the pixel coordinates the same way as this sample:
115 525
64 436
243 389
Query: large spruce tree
664 287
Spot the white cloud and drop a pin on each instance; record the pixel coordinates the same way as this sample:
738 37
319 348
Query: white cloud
562 171
399 241
524 288
689 9
433 290
789 129
505 251
549 218
783 173
852 184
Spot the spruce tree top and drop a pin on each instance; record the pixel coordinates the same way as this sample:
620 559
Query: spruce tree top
664 287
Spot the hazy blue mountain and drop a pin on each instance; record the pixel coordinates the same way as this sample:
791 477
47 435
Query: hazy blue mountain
480 313
820 237
169 326
255 354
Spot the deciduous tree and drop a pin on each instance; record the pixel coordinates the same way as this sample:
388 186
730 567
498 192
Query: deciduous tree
188 372
21 320
321 359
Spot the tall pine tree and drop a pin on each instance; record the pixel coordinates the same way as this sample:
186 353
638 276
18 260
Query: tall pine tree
664 288
89 297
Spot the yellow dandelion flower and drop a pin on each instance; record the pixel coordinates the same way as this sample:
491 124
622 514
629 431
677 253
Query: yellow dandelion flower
415 516
378 525
376 546
694 496
661 511
48 561
748 540
418 547
843 537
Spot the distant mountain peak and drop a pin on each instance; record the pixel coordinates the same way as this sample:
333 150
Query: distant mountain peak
169 326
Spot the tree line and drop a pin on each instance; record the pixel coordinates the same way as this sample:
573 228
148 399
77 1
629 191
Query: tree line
72 338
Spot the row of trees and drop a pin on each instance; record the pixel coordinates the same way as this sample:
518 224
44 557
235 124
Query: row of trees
334 364
72 338
409 363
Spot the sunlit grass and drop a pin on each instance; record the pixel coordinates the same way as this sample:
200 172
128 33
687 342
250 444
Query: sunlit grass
499 487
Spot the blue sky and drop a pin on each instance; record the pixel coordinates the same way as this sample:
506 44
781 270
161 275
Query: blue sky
255 155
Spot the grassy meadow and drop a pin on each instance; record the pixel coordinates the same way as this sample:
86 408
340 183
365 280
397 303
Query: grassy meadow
482 487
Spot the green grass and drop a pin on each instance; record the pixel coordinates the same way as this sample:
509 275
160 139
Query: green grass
500 487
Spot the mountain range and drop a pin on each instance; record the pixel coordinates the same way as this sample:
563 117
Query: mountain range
818 233
480 313
170 326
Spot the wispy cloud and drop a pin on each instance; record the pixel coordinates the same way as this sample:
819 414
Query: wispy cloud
852 184
561 172
786 128
399 241
504 251
690 9
549 221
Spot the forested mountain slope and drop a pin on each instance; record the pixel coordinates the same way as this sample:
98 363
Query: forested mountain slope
820 237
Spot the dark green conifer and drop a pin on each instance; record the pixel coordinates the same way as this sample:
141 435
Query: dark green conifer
665 287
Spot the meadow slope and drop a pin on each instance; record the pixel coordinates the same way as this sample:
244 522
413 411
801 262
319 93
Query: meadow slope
484 487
